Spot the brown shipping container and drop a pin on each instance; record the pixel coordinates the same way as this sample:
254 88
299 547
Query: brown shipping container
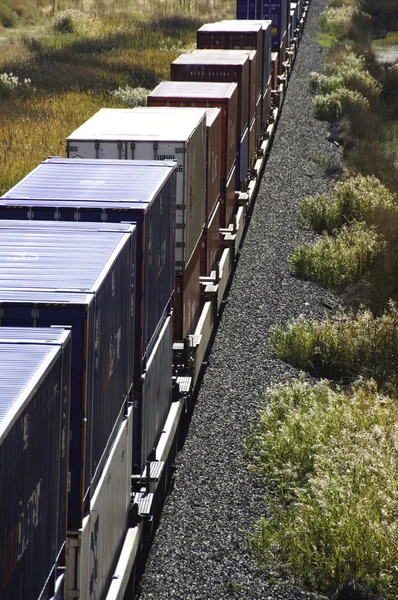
259 128
254 87
241 35
187 298
207 95
252 144
201 67
227 200
274 70
213 128
211 243
266 29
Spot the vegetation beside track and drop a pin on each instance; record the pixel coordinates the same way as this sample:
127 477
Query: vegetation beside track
328 449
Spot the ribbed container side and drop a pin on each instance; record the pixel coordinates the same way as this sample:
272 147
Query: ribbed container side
242 162
227 200
213 151
110 192
211 242
105 527
227 35
32 462
274 70
102 326
202 67
206 95
259 128
155 398
274 10
266 105
145 134
252 143
266 30
254 85
187 299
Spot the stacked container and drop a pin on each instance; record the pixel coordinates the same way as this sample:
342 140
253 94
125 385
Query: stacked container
275 10
212 94
205 67
34 420
266 30
137 191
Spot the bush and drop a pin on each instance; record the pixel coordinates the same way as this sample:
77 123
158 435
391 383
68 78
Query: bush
131 96
67 21
327 107
337 260
11 85
355 198
343 346
8 17
331 461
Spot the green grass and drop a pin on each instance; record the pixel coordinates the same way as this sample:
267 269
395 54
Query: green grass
325 39
391 134
391 39
330 460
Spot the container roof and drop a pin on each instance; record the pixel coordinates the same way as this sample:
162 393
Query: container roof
137 124
61 260
23 368
79 180
66 225
241 26
199 57
194 89
38 335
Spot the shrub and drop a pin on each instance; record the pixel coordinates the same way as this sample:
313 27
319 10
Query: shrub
131 96
67 21
355 198
343 346
11 84
8 17
338 20
331 461
337 260
327 107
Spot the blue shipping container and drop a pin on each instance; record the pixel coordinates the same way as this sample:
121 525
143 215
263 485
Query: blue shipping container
94 297
141 192
34 402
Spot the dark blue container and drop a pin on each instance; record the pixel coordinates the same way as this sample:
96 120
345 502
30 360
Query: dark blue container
34 402
155 396
84 281
242 162
273 10
141 192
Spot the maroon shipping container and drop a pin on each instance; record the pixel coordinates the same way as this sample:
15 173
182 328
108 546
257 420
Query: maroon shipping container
206 95
259 122
227 200
274 70
254 87
252 144
187 298
202 67
213 147
211 242
239 35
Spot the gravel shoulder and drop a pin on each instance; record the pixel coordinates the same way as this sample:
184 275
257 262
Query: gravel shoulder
200 551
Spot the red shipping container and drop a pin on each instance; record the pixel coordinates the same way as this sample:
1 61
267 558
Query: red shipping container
252 143
213 129
254 87
266 105
239 35
206 95
187 297
202 67
211 242
227 200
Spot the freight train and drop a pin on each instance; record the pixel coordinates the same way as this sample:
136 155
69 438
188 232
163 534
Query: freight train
114 262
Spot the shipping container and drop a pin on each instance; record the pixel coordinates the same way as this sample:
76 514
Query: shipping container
38 269
211 242
266 105
266 30
274 10
238 35
213 151
141 192
242 162
274 70
34 407
228 200
156 396
252 144
141 133
187 301
254 86
207 95
93 553
205 68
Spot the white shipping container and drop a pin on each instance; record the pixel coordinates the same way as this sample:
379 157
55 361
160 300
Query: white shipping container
155 133
93 555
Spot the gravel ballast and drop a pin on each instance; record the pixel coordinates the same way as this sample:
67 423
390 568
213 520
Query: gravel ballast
200 549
